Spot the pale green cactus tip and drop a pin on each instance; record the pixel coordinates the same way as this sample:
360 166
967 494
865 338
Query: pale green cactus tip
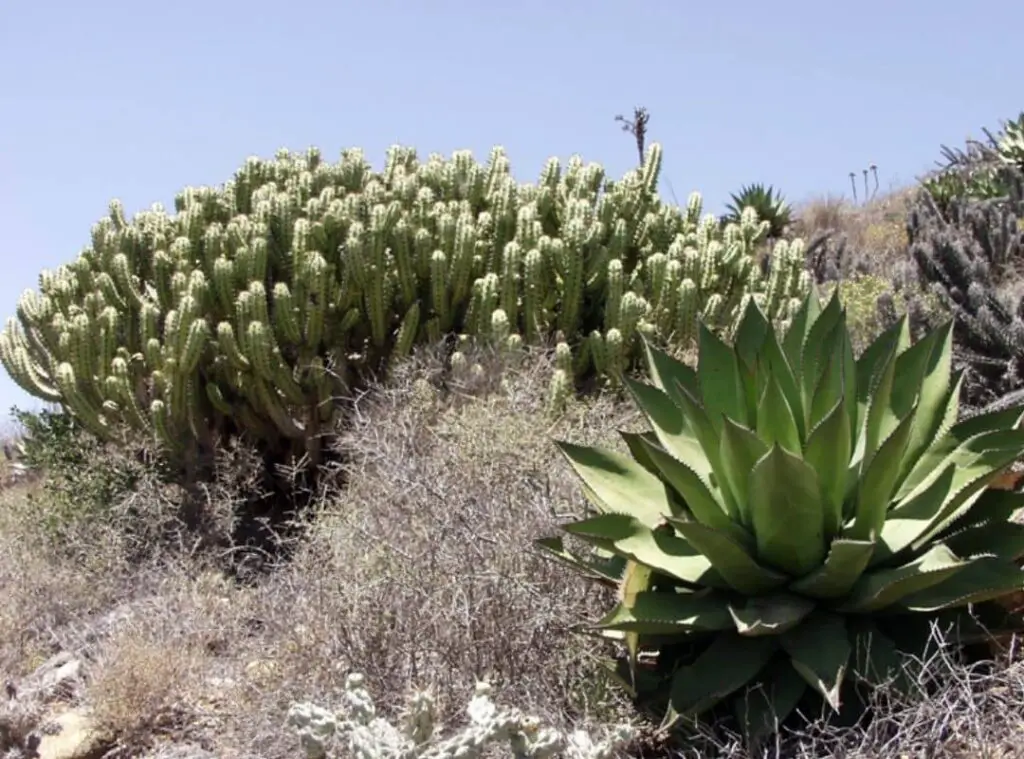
373 738
213 340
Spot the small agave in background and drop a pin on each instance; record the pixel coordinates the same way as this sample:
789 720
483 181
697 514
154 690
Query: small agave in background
768 204
796 519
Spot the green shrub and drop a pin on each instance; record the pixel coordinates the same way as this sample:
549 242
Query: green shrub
81 480
860 297
796 518
261 303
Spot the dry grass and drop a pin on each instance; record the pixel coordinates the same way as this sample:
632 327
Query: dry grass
419 573
956 711
874 233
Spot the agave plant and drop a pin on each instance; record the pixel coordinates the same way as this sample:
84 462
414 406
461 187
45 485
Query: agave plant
795 519
770 207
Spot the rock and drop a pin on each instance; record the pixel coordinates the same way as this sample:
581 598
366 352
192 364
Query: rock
58 678
69 735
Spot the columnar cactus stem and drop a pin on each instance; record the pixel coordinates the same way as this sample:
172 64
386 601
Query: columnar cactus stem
255 306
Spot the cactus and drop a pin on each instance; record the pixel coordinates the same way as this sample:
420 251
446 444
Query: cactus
357 731
960 251
989 169
259 304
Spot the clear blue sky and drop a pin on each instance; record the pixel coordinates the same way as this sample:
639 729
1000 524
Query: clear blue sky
109 99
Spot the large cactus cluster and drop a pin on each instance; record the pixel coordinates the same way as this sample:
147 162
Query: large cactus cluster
966 252
258 304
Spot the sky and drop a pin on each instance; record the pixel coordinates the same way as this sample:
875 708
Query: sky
111 99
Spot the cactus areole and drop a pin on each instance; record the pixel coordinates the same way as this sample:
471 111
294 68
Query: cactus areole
261 305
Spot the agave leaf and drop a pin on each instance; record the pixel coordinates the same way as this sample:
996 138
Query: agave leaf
933 406
950 410
909 373
731 560
666 372
749 336
1001 539
604 568
739 451
820 652
657 549
993 505
702 502
956 436
771 614
700 424
773 358
617 484
894 340
635 443
786 512
828 452
796 336
831 385
880 588
750 332
909 519
982 579
949 496
657 613
729 663
845 563
880 419
878 483
776 422
669 424
761 710
819 349
998 451
720 385
877 660
636 579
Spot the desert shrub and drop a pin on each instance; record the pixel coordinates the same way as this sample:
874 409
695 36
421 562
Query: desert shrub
861 297
82 478
128 492
263 306
846 240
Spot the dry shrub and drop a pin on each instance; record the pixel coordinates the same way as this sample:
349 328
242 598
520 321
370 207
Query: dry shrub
45 593
422 573
873 235
956 711
140 683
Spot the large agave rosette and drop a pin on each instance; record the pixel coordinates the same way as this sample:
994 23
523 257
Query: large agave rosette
795 514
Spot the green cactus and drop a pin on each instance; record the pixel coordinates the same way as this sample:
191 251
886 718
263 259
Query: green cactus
259 304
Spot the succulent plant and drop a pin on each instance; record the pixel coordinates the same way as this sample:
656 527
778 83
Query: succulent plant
992 169
795 517
768 205
357 731
259 304
962 255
